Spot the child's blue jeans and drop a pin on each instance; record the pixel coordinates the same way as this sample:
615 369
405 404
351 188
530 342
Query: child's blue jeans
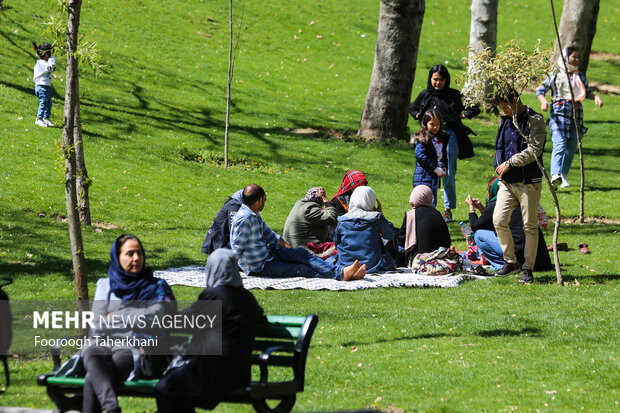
44 93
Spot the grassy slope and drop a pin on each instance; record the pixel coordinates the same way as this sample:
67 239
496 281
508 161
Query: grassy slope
483 346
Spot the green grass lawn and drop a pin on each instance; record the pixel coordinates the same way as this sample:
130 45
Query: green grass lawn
160 104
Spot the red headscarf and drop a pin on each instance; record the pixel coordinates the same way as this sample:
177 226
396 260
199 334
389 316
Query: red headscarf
351 180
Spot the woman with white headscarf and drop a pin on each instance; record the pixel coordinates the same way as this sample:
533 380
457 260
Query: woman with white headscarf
361 232
423 229
201 379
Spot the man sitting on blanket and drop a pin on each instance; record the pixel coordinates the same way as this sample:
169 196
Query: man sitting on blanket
264 253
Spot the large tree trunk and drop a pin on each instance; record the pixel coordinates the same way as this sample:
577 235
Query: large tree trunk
578 27
82 180
389 94
483 33
68 143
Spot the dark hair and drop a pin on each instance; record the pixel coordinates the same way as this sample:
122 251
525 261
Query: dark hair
123 239
44 48
507 97
570 50
252 193
490 183
422 134
441 69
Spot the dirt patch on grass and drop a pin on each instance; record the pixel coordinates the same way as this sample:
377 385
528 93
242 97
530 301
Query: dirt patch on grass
323 133
587 220
596 55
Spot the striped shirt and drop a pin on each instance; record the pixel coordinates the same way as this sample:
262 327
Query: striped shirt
252 240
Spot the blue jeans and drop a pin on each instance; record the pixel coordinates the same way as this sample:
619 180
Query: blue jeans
449 181
564 147
488 243
44 93
298 262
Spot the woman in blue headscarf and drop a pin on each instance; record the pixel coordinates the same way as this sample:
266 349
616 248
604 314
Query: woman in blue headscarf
130 289
201 378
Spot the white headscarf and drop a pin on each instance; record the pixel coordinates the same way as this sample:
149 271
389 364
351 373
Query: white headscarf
362 203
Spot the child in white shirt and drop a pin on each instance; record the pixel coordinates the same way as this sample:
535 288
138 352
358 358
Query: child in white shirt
42 78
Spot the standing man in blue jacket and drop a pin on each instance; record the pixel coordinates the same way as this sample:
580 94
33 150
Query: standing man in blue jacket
521 180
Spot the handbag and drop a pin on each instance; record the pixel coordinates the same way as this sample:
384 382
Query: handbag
439 262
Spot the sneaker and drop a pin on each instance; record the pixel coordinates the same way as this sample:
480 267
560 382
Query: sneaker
40 122
507 269
48 122
526 277
480 270
447 215
556 180
564 182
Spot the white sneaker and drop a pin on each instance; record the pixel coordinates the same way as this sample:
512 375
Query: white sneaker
556 180
48 122
564 182
40 122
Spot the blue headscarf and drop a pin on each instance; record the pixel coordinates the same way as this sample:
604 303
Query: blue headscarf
128 286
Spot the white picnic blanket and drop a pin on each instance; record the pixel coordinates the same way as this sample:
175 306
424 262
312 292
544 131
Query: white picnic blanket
194 276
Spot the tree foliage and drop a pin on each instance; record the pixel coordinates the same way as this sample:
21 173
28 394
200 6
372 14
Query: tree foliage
509 68
86 53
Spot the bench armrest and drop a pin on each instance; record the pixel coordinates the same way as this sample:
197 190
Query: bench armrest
263 361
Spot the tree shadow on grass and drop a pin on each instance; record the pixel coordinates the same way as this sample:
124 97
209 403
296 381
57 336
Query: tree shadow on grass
505 332
395 339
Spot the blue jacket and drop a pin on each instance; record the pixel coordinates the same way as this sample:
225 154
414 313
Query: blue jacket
361 239
426 162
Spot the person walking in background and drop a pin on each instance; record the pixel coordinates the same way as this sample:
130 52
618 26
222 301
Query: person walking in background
440 96
521 184
561 122
42 77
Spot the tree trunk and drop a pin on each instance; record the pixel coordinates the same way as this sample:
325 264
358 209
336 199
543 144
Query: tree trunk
82 180
578 27
396 53
229 82
483 34
68 143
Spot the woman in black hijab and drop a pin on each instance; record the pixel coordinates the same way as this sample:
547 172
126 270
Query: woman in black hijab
201 379
447 101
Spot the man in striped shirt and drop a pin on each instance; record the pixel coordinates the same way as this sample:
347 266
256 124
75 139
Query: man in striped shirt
264 253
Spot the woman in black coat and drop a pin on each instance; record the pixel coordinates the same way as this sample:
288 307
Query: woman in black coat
440 96
201 378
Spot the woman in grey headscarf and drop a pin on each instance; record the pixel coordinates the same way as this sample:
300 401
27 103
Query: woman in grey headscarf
361 232
200 381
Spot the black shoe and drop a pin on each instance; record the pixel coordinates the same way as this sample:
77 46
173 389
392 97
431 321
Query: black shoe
480 270
526 277
447 216
507 269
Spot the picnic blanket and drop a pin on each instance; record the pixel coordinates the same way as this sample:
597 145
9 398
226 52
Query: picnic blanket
195 276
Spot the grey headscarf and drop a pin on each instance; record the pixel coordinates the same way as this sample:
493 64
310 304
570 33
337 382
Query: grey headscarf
221 269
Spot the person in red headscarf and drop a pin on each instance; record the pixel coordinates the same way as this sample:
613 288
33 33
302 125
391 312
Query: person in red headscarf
351 180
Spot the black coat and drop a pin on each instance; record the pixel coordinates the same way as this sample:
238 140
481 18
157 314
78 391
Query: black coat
449 104
431 231
218 235
205 377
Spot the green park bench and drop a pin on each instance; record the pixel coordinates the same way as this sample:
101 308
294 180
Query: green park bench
282 341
